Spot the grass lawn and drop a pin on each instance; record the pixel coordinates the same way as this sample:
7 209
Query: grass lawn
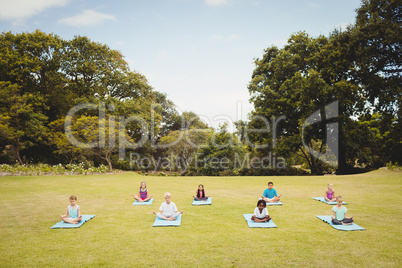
217 235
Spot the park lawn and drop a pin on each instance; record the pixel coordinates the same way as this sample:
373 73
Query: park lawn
217 235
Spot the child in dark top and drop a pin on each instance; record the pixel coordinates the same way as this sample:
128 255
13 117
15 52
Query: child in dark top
201 194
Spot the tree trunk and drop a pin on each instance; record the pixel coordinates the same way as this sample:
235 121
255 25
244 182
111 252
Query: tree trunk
17 152
109 162
342 165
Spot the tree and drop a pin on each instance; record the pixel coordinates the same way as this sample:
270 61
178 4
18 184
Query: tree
58 138
376 39
172 120
220 154
45 76
21 122
181 146
295 82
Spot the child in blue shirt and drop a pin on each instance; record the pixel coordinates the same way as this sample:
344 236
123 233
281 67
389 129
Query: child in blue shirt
339 213
270 194
73 212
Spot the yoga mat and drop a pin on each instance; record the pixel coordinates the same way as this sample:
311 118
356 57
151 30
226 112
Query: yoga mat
273 204
162 223
352 227
63 224
200 203
252 224
149 202
322 199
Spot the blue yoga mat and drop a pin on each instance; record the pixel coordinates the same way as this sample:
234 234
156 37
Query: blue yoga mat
162 223
252 224
352 227
63 224
149 202
200 203
322 199
273 204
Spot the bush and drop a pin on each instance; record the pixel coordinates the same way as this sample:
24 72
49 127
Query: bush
41 169
393 166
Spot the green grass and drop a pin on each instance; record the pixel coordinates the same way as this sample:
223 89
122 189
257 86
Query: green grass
217 235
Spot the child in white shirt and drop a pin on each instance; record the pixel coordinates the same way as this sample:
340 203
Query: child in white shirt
168 209
261 212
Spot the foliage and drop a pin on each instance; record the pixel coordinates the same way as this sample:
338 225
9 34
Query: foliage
181 146
220 154
44 76
394 166
360 68
45 169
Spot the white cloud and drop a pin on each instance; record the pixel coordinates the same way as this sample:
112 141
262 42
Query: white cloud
213 39
216 2
20 10
163 56
87 18
312 4
234 37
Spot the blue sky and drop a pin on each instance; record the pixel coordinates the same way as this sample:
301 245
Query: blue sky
199 52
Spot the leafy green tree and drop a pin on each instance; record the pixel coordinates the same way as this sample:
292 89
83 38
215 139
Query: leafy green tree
295 82
181 146
58 138
221 153
376 40
48 76
21 125
172 120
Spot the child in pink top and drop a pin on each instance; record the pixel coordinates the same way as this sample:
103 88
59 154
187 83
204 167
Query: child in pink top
142 193
201 194
330 193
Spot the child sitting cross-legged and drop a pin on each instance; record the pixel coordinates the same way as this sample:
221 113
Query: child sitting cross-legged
261 212
73 212
339 211
168 209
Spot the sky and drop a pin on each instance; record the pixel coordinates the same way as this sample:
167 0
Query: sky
199 52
